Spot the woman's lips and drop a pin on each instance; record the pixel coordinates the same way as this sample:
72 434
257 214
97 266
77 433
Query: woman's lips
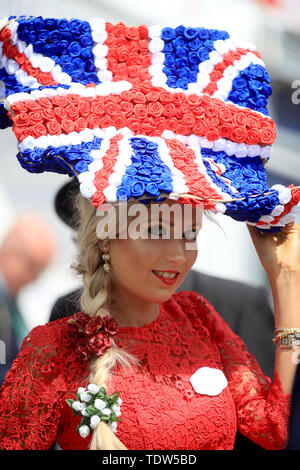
169 282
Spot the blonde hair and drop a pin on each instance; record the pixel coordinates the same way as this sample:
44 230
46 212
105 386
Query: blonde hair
96 299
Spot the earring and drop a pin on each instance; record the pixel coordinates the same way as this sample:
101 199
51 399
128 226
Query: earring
106 266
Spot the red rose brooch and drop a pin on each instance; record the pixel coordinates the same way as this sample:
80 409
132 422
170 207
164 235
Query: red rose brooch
95 334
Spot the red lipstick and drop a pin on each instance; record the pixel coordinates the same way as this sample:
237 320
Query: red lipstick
169 282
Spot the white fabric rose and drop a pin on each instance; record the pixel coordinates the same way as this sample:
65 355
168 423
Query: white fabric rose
93 389
99 404
113 426
156 45
94 421
284 194
116 410
84 431
85 396
106 411
78 406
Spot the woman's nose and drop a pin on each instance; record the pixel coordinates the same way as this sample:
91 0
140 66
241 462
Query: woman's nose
175 252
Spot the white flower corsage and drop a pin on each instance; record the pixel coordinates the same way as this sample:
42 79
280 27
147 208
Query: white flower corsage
94 405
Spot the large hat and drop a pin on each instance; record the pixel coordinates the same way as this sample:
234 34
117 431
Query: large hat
144 111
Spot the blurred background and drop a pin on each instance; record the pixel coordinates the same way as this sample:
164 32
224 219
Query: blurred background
273 25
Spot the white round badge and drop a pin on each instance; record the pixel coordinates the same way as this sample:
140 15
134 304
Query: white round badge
208 381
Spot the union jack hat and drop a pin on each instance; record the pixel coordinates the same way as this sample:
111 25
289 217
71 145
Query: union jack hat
144 112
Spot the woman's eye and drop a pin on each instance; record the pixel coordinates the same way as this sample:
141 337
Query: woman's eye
156 230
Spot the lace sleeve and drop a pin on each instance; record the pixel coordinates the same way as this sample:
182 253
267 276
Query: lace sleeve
262 406
30 397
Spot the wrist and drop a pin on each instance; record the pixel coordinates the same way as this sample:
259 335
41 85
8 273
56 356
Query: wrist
286 295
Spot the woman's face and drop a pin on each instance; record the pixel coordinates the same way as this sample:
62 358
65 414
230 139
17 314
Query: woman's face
174 249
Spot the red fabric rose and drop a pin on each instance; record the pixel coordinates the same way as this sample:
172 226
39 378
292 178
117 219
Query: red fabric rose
239 134
54 127
21 119
59 101
36 117
267 136
226 130
178 98
39 130
212 134
119 29
199 111
48 114
80 124
98 198
127 95
112 109
84 108
32 105
105 121
225 115
93 121
99 343
19 107
139 97
188 119
193 100
240 119
67 125
120 121
253 121
143 31
127 107
100 182
98 107
153 95
215 75
198 128
60 113
132 33
211 110
72 111
169 110
45 103
253 137
212 121
140 110
165 97
155 108
73 99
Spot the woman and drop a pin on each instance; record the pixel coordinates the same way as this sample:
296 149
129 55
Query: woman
163 362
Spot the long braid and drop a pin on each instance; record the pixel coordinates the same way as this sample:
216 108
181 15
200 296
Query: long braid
95 300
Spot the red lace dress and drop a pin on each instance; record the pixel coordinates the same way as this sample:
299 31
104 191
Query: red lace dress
160 408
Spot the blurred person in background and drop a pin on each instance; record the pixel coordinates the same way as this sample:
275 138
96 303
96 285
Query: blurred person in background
26 250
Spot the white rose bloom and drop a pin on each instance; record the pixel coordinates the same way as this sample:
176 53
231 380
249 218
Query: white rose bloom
277 210
77 406
99 404
85 396
94 421
84 431
156 45
120 401
93 389
106 411
116 410
113 426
